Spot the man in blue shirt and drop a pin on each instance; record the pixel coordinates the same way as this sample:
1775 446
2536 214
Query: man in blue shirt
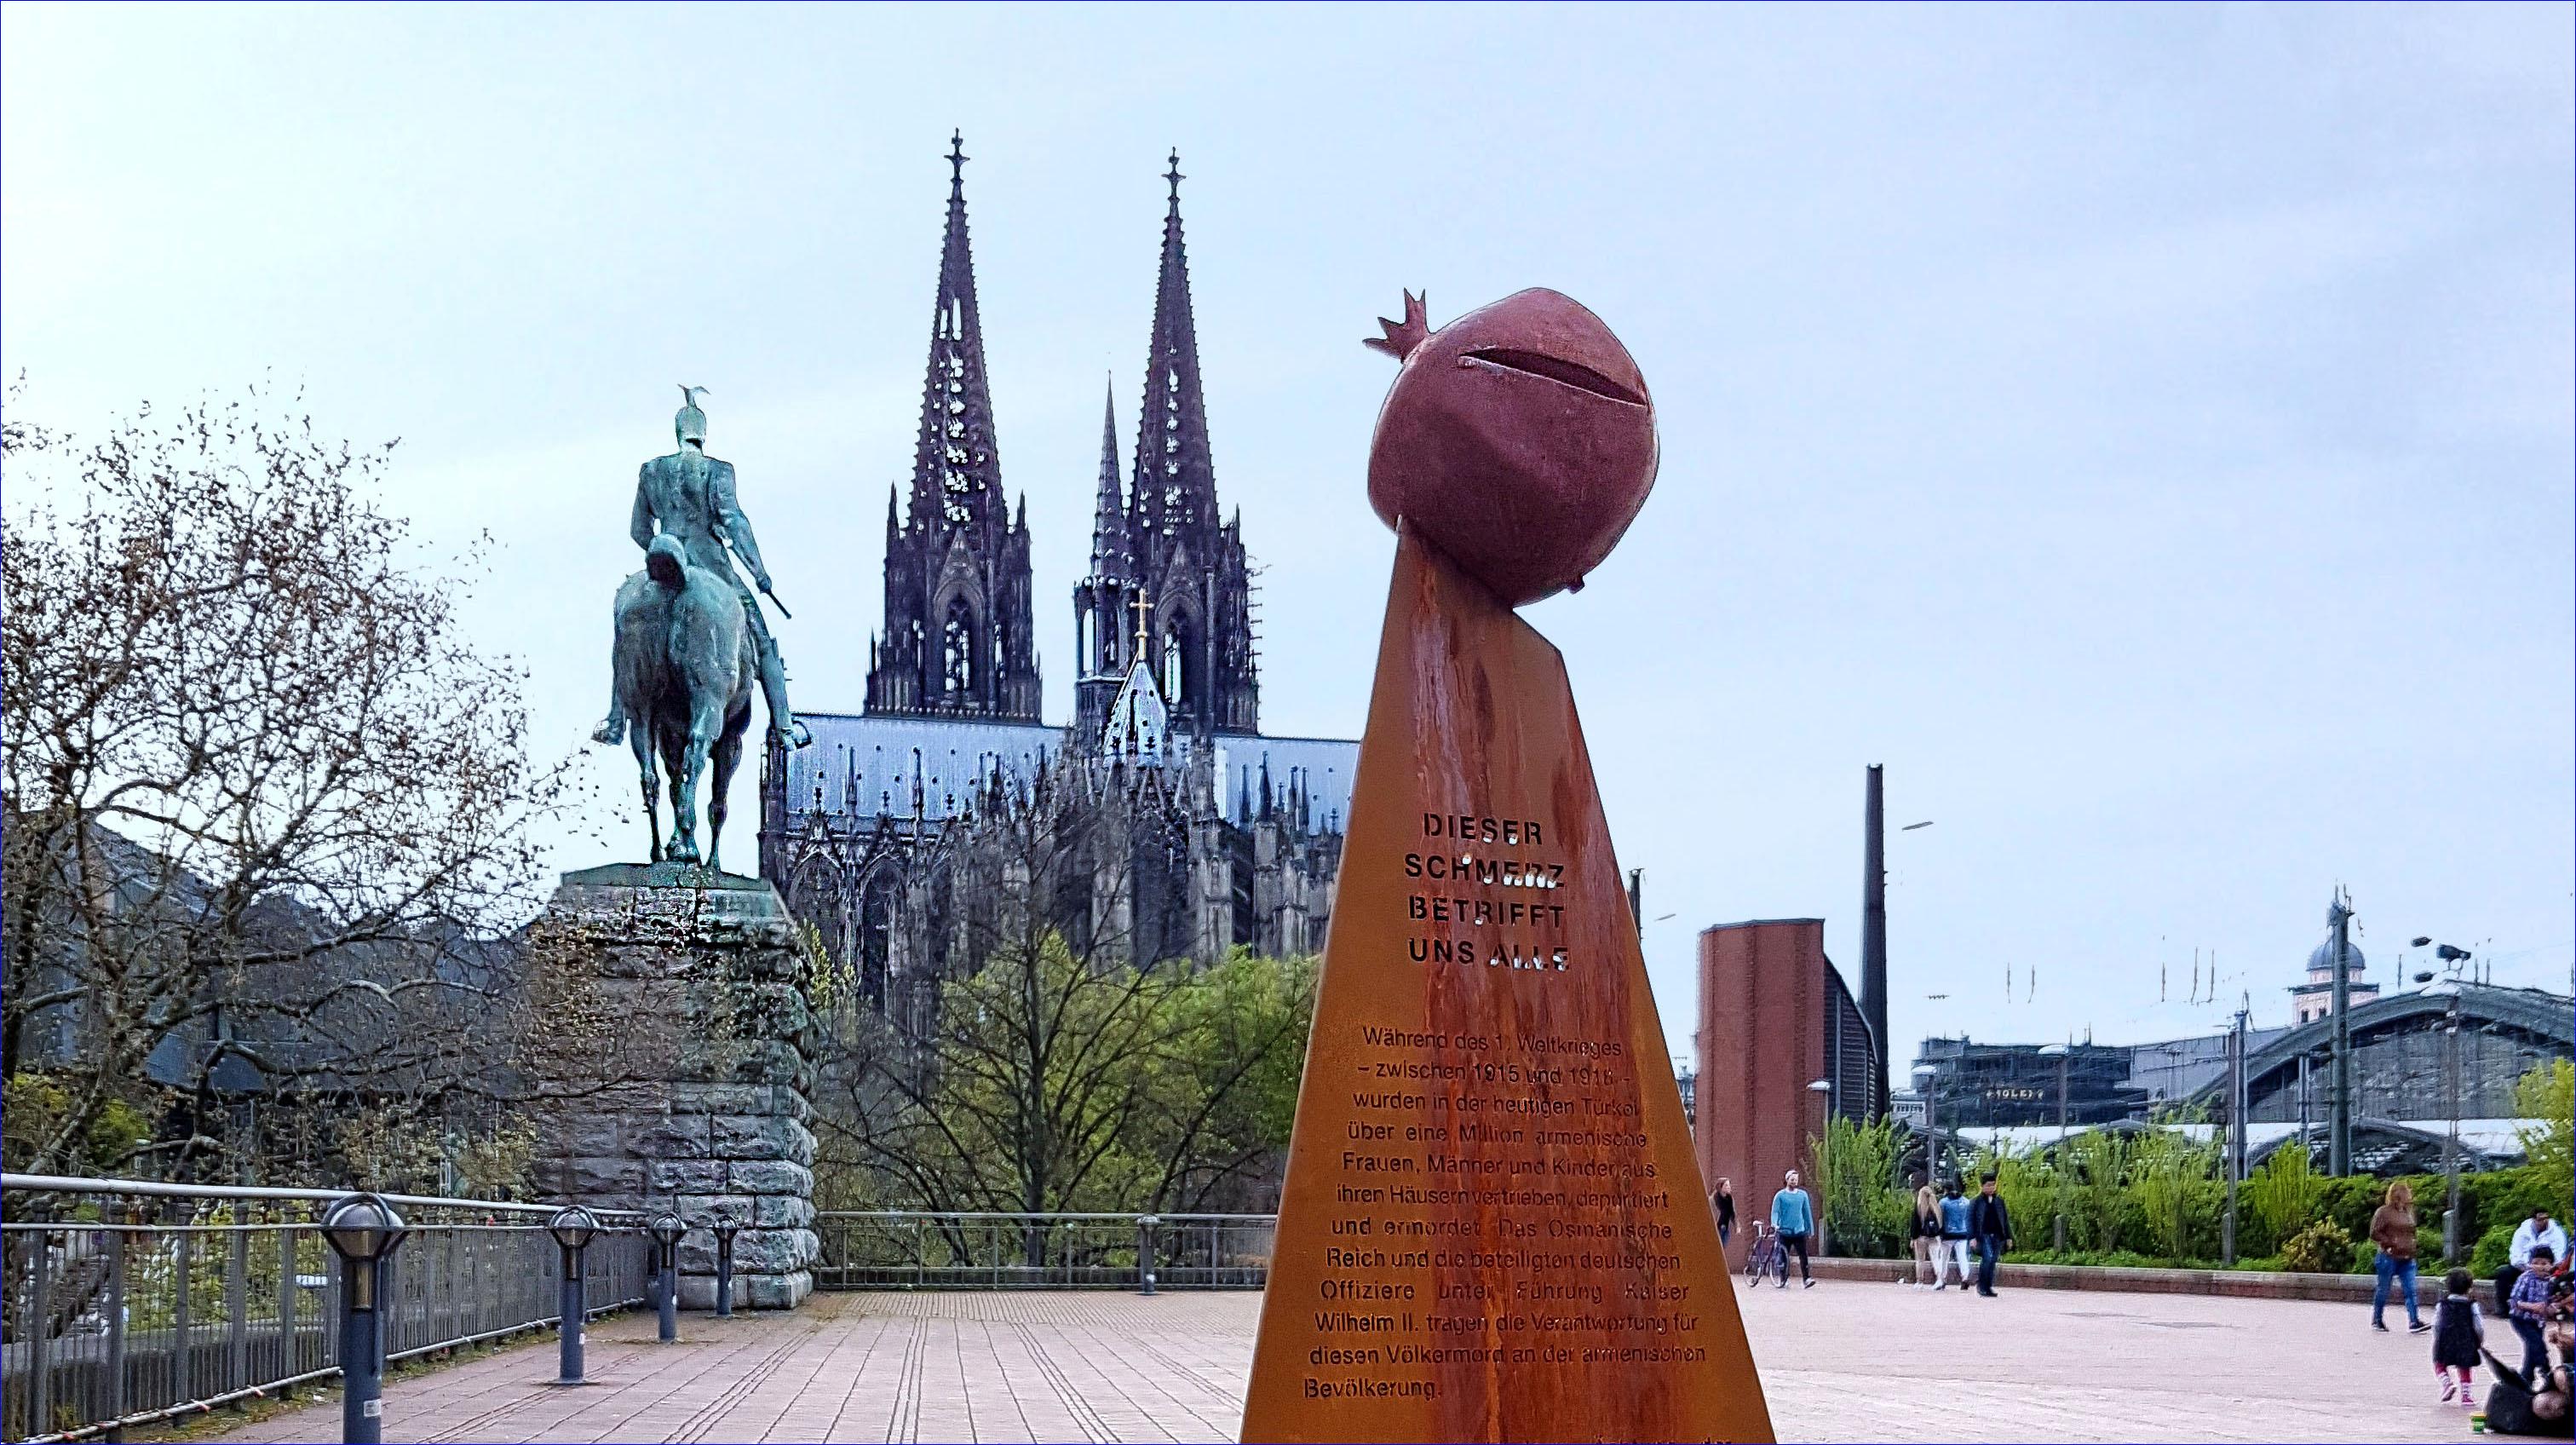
1952 1247
1793 1214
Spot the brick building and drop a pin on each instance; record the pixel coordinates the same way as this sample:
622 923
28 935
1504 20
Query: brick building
1774 1018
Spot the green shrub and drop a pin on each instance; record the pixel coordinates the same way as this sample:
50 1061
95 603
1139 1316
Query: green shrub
2324 1247
2280 1200
2493 1248
2098 1208
2170 1175
1857 1191
2365 1258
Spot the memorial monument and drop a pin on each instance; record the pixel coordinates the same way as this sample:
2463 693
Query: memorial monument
1492 1226
702 1104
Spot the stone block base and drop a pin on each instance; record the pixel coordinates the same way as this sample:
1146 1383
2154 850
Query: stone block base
696 1101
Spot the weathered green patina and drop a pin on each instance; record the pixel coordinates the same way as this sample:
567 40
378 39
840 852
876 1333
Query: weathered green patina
690 640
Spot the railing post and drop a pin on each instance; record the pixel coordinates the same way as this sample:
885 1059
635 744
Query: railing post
116 1333
237 1301
287 1352
1145 1253
40 1332
182 1327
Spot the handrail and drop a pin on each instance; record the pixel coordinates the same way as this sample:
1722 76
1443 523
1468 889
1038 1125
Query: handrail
116 1322
162 1188
1078 1215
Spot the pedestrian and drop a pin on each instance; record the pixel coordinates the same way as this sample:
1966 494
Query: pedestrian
2457 1335
1952 1247
2532 1304
2392 1228
2538 1230
1793 1214
1721 1201
1990 1225
1926 1233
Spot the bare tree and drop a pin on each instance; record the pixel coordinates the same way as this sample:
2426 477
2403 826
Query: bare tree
262 800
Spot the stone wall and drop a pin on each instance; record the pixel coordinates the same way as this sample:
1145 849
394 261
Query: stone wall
683 1070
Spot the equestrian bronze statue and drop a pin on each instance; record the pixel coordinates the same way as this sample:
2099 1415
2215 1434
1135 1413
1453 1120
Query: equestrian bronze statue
691 641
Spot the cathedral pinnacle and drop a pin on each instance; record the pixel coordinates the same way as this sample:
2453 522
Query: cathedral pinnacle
957 165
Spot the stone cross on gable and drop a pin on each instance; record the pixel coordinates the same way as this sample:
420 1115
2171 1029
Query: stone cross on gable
1142 606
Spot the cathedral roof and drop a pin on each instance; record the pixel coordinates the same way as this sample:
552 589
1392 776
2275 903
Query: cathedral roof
862 766
1140 724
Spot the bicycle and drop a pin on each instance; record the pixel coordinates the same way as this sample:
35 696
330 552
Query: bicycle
1766 1255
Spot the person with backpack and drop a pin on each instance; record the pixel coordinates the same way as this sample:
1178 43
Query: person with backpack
2457 1335
1925 1231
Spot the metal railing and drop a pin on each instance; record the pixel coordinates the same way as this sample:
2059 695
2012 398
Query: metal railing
921 1249
129 1301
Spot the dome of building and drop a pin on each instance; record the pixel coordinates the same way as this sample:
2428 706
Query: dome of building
2322 960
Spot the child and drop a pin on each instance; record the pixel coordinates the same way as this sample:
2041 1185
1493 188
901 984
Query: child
2457 1333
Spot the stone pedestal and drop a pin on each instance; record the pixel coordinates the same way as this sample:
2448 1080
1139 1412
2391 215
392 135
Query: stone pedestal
682 1078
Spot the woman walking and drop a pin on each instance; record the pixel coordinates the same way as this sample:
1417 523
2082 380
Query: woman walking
2392 1228
1926 1233
1721 1200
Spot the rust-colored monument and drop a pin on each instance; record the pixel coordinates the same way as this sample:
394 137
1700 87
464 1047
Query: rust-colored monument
1493 1228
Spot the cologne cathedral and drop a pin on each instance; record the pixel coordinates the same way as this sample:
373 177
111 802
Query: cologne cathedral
1160 824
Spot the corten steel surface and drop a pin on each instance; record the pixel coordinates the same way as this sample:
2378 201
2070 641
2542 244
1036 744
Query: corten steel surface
1492 1227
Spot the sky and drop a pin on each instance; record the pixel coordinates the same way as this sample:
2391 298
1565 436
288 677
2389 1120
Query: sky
2146 431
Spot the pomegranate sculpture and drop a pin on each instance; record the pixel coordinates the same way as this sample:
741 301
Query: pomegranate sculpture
1518 440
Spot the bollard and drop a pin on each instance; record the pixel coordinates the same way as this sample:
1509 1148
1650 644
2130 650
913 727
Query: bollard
724 1268
1145 1224
572 1227
668 1229
364 1231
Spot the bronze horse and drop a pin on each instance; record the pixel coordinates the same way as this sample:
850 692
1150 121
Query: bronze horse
686 668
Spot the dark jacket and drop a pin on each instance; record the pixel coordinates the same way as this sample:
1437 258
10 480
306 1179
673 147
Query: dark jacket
1987 1216
1725 1210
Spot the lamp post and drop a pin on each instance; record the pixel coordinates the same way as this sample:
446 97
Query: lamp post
364 1231
2064 1055
667 1230
725 1230
2339 1121
2453 957
573 1228
1823 1092
2235 1132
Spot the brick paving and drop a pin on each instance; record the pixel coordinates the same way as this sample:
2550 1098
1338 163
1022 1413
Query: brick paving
1840 1362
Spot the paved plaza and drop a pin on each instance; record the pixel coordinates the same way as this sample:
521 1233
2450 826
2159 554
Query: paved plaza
1843 1361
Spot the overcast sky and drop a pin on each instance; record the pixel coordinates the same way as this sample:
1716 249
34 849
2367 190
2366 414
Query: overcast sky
2146 431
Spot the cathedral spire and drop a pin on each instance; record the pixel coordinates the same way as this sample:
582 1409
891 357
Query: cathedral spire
1174 477
957 640
1110 555
956 475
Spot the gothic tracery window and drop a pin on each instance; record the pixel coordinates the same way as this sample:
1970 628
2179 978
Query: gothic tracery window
1176 647
957 670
